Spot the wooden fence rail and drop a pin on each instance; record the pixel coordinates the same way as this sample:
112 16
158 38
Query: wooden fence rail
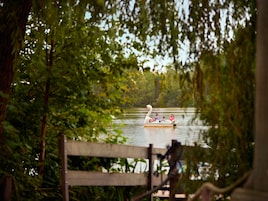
89 178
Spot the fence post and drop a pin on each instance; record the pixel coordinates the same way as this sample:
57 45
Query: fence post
151 167
63 158
173 170
7 188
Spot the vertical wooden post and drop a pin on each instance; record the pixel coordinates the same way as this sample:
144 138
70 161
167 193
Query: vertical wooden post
151 168
173 170
258 188
8 188
63 157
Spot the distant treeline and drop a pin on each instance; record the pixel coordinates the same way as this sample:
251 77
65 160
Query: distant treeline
167 89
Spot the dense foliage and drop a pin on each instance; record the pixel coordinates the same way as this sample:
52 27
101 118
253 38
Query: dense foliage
69 81
159 89
226 105
75 72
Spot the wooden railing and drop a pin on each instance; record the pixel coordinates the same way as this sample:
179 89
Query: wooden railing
90 178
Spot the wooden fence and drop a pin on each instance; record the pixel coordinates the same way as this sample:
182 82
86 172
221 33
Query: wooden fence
89 178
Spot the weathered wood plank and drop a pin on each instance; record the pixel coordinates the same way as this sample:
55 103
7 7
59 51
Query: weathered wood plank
158 180
77 148
159 151
85 178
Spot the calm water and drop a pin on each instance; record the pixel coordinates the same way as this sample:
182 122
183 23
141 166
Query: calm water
187 131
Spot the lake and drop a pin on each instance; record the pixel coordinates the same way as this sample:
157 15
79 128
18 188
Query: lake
187 131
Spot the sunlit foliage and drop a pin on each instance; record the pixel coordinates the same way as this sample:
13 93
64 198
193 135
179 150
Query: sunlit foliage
71 77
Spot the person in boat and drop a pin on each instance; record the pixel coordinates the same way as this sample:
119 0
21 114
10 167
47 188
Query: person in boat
172 118
156 118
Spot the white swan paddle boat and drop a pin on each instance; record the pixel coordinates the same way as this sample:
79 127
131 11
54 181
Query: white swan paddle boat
151 122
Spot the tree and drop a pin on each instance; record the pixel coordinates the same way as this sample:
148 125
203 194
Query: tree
170 95
226 83
70 82
14 15
166 24
256 188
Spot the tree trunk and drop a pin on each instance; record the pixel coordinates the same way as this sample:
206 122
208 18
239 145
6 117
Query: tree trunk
14 15
43 129
261 115
257 190
45 115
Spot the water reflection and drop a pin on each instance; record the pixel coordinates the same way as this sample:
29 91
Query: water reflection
187 131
